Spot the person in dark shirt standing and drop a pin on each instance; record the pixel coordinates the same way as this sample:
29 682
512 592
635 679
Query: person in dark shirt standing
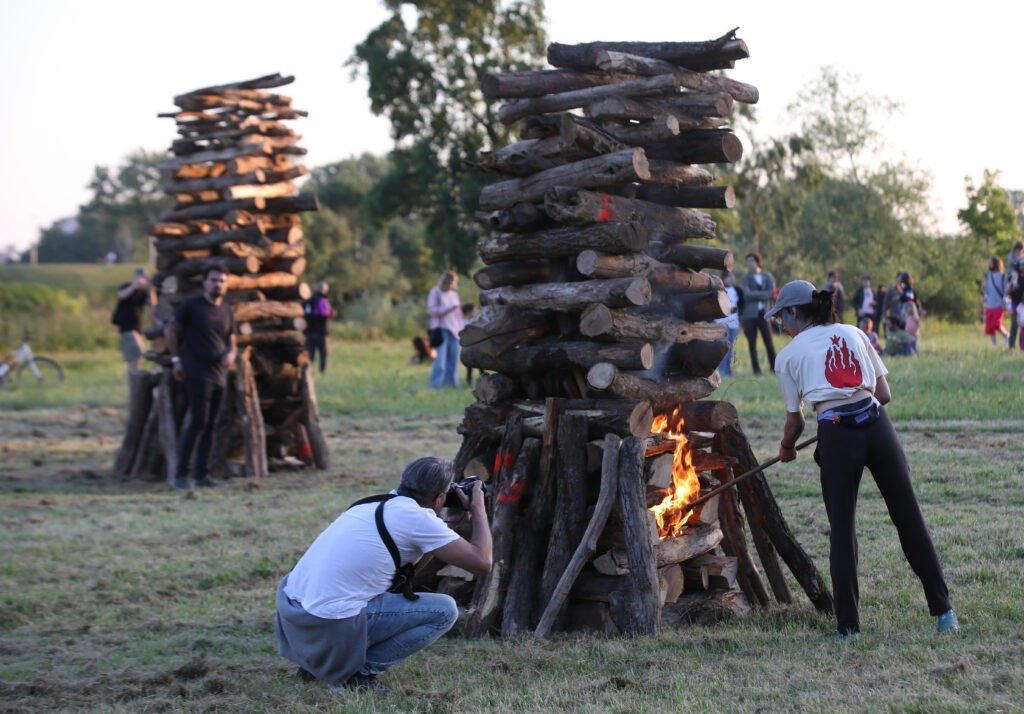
201 341
318 316
131 299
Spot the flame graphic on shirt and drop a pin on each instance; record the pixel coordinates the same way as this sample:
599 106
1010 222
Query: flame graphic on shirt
842 369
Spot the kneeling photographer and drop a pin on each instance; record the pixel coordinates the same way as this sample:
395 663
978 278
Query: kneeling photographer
346 612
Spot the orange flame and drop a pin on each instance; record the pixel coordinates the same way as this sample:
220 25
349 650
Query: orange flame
685 486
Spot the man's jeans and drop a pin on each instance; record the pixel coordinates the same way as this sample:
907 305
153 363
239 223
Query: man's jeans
397 627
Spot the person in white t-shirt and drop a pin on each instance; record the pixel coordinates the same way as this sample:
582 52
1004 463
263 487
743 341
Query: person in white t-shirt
834 367
336 618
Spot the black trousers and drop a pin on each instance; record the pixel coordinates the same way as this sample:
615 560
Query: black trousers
203 400
842 454
314 343
1012 339
751 326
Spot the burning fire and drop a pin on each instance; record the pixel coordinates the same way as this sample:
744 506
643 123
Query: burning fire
685 486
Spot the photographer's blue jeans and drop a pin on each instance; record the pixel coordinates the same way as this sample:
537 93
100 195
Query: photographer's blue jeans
397 627
444 373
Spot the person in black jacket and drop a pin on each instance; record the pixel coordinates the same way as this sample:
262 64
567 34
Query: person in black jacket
201 340
318 317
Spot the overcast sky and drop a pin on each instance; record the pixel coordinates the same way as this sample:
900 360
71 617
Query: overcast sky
83 81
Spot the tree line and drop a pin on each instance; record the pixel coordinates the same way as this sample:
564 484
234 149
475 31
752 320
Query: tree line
818 199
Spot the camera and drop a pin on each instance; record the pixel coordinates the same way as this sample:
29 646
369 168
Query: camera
452 500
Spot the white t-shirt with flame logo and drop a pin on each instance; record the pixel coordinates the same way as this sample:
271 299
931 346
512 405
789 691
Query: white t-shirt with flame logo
826 362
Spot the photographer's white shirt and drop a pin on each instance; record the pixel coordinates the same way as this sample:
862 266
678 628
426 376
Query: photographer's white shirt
348 564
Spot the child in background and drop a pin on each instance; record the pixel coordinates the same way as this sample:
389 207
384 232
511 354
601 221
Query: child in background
867 326
897 339
913 324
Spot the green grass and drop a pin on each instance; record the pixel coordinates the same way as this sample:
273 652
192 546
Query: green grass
123 597
70 276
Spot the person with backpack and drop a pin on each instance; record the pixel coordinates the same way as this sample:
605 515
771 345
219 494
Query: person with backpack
318 312
132 297
346 612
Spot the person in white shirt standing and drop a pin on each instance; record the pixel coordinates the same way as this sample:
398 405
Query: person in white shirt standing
445 311
338 615
834 367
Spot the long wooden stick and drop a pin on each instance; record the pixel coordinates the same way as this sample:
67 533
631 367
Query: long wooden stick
588 546
757 469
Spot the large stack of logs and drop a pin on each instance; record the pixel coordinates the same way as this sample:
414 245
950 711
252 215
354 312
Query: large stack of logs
597 325
231 174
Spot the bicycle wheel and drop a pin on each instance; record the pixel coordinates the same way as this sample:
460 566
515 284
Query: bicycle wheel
41 370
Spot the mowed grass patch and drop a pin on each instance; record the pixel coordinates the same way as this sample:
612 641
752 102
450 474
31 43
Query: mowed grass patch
125 597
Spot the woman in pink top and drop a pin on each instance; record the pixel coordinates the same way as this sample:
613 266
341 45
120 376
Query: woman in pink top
445 311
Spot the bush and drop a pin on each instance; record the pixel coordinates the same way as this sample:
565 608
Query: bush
54 318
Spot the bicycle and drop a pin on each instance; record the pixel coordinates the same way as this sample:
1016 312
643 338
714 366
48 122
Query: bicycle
22 363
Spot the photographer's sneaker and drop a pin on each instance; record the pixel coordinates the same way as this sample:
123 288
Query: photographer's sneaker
948 624
846 636
361 683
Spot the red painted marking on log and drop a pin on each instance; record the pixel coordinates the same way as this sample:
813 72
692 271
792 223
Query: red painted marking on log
510 460
513 494
497 463
606 209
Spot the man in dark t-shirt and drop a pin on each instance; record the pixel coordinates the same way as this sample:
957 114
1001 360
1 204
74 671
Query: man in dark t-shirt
131 299
201 340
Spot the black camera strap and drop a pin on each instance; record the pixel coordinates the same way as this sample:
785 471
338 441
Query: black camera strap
402 582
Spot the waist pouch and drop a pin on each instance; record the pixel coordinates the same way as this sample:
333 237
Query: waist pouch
858 415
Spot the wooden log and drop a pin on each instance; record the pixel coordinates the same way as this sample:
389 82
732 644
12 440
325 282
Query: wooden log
561 355
250 234
292 204
275 337
248 311
520 218
169 228
512 273
734 543
709 415
197 266
489 594
317 440
685 196
521 599
214 209
608 237
614 416
497 388
607 497
568 523
577 206
249 410
705 608
263 282
662 394
518 85
297 291
679 174
530 156
626 326
663 277
520 108
696 358
140 400
216 183
638 613
695 578
498 329
572 128
270 254
177 162
223 432
599 171
690 109
709 146
658 470
623 62
167 425
720 570
145 446
706 306
657 129
571 297
764 514
270 190
693 542
720 53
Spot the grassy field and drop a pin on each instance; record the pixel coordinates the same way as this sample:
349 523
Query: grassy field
124 597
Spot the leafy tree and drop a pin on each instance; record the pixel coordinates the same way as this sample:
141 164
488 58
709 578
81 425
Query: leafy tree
425 65
989 217
125 201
